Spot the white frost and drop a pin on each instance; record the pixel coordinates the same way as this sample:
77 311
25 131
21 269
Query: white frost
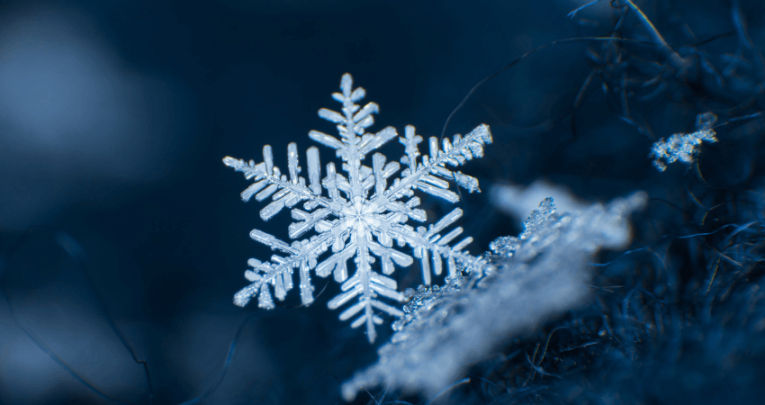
527 279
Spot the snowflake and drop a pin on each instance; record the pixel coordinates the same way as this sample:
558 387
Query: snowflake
352 223
684 147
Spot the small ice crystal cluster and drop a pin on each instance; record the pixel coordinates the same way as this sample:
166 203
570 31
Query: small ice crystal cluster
361 215
523 282
539 230
684 147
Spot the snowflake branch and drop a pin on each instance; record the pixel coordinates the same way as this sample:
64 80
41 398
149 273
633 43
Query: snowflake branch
461 151
430 241
270 182
280 276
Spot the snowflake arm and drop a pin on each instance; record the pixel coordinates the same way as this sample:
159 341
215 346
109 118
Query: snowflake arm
278 272
431 175
429 246
270 182
365 284
352 122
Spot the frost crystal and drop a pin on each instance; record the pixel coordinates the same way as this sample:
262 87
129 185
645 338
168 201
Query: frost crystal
525 281
684 147
350 221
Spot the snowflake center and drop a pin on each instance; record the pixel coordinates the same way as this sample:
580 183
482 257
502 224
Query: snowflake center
362 213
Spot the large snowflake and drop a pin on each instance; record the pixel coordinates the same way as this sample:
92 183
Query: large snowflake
352 223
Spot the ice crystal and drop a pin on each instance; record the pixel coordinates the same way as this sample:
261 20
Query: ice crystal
350 222
684 147
523 282
517 200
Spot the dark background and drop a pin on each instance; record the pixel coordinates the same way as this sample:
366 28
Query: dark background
116 212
